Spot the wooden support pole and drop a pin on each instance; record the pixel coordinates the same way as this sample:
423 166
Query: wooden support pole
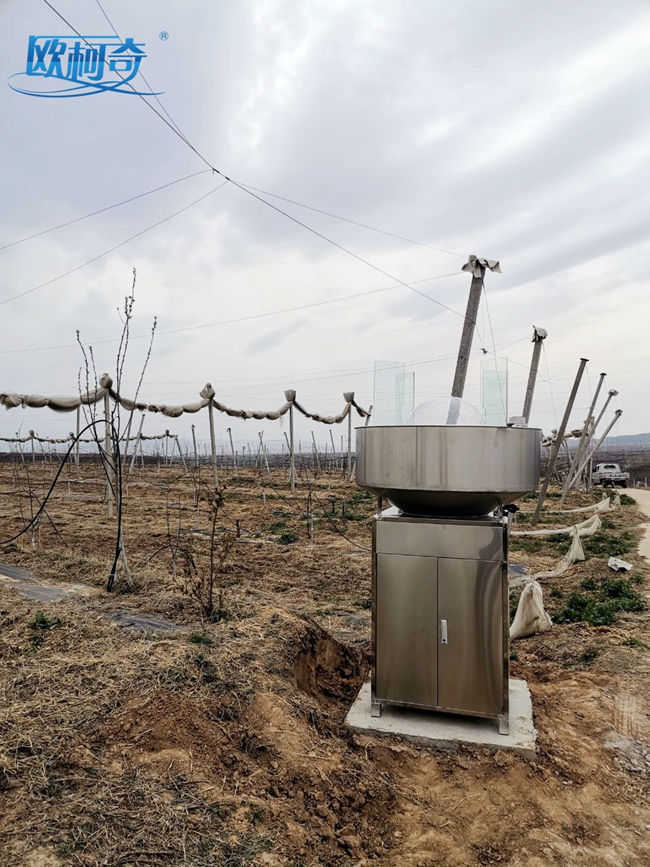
262 452
316 459
234 453
288 445
138 443
76 447
349 464
196 453
588 457
292 456
108 449
558 442
213 444
258 453
180 452
585 437
539 335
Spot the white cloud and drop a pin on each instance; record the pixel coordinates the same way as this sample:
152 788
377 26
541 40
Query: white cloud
515 131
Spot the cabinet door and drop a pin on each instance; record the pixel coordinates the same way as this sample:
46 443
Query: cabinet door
407 635
470 664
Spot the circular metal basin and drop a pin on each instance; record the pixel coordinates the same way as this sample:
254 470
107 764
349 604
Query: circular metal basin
448 471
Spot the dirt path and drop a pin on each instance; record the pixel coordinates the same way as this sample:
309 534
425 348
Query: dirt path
643 499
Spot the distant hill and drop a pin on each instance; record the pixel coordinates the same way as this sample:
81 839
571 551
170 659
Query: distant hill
629 440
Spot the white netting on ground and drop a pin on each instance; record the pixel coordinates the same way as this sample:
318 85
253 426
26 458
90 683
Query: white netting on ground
585 528
602 506
531 617
10 400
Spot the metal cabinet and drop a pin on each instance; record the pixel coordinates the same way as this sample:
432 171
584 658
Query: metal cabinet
470 664
440 622
407 643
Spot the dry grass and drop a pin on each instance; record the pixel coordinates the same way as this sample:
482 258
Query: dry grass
223 743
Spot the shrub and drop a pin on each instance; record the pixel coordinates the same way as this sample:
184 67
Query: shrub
588 655
42 621
632 641
610 544
200 638
287 537
601 602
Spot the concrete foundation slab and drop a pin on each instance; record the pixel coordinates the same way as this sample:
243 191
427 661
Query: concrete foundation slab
446 730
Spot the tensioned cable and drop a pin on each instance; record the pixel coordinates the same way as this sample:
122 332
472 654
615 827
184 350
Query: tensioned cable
352 222
112 250
164 120
346 250
141 74
262 381
494 347
255 195
550 388
103 210
221 322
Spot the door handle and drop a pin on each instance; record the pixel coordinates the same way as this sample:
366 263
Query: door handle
443 632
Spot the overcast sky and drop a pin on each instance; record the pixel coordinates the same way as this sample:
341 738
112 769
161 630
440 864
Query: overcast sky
515 130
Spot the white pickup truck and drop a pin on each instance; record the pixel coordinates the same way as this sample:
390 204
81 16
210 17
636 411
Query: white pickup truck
610 474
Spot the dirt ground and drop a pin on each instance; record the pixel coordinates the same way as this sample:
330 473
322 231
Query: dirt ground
220 741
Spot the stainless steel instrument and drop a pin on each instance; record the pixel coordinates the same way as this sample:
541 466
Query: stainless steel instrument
440 562
447 471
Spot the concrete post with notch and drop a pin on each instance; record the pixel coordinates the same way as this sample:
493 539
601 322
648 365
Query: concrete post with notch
559 439
476 268
539 336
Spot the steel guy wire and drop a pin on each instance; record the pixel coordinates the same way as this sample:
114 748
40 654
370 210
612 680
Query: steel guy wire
102 210
205 324
250 191
105 253
487 308
352 222
141 74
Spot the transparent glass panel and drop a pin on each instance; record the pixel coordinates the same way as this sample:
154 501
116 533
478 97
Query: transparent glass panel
393 393
494 390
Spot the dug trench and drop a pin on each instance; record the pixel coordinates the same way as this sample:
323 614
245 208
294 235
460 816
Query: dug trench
224 743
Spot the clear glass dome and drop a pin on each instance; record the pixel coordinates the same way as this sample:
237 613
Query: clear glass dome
446 410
